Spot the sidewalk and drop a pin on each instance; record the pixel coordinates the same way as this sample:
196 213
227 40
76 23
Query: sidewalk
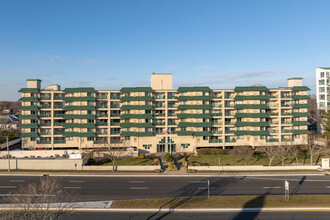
122 174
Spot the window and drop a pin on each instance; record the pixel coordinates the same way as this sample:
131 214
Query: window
322 104
322 74
327 74
184 146
321 82
322 97
147 146
70 138
322 89
240 137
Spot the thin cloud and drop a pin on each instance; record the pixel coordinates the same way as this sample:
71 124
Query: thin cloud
55 58
89 61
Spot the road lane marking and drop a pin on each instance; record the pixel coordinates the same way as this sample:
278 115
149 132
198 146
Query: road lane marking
198 182
138 188
328 187
211 188
8 187
17 181
72 187
76 181
25 195
272 187
137 181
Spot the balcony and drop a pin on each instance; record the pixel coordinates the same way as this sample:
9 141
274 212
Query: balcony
215 140
45 133
45 106
229 132
114 132
59 142
115 106
100 142
230 140
101 97
115 123
171 123
102 132
58 115
59 123
45 115
101 123
115 114
101 106
272 140
229 123
159 123
58 106
171 105
45 124
159 106
58 97
45 97
58 132
100 115
171 97
44 142
285 105
159 97
115 97
160 115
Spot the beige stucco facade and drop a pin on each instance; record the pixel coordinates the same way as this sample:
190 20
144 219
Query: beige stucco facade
85 118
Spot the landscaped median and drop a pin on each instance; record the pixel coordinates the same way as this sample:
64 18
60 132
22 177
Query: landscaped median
258 201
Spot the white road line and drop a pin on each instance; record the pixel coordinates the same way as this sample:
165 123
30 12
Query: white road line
211 188
137 181
197 181
328 187
72 187
76 181
17 181
8 187
272 187
25 195
138 188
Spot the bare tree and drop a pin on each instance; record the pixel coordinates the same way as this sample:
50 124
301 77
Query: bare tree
113 151
293 150
284 152
271 151
44 200
314 146
242 152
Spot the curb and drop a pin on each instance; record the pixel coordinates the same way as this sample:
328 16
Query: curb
161 176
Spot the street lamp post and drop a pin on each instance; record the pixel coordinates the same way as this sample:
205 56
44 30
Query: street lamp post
8 154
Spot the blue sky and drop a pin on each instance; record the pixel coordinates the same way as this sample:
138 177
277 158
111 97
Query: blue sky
111 44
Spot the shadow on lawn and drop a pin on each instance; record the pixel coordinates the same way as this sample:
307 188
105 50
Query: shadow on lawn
191 191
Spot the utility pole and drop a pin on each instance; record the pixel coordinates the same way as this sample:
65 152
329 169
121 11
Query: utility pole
8 154
208 189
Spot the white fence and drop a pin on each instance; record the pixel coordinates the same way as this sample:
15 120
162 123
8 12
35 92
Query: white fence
251 168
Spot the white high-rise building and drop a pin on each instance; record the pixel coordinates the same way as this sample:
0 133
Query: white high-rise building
323 88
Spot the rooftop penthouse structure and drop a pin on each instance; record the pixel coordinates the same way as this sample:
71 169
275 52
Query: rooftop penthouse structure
162 119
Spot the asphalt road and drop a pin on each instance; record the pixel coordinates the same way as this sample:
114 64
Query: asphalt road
201 215
117 188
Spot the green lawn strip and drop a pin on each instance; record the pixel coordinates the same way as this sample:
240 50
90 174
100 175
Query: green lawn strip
228 160
227 202
131 162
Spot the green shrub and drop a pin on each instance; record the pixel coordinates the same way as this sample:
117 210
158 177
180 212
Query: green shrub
142 156
172 166
168 157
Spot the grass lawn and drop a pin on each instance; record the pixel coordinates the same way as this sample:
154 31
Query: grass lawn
227 202
228 160
125 162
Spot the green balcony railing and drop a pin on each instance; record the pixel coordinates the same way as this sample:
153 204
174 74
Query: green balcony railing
58 115
45 97
215 140
114 123
58 132
44 142
45 124
114 132
100 142
115 106
230 140
59 123
160 115
101 123
59 141
272 140
58 106
115 114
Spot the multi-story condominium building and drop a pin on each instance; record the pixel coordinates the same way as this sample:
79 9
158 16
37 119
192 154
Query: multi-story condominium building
323 88
162 119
